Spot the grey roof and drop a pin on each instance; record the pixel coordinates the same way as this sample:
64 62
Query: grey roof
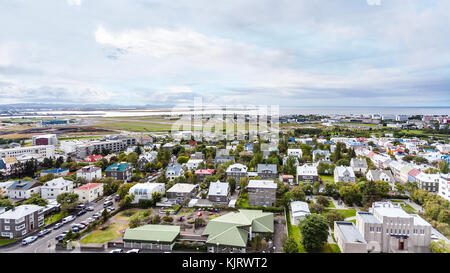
267 167
350 233
342 169
299 208
377 173
57 183
88 169
218 188
24 185
358 163
175 168
182 187
20 211
262 184
368 217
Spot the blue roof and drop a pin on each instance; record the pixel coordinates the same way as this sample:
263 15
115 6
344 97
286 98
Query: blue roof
55 171
23 185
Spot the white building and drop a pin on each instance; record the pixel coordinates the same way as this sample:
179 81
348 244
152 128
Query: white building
89 173
348 238
444 187
299 210
295 152
55 187
23 189
428 182
344 174
89 192
144 191
192 164
41 150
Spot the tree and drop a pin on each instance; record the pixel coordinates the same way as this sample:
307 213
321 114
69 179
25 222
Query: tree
232 182
182 159
135 221
298 194
370 193
322 200
68 201
316 208
443 167
333 216
132 158
36 199
287 198
290 246
110 185
124 189
440 246
126 201
105 215
46 178
383 188
314 230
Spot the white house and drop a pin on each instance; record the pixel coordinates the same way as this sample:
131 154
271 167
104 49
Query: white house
144 191
299 210
89 192
90 172
192 164
295 152
23 189
444 187
55 187
344 174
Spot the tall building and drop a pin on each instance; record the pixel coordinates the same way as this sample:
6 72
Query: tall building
45 140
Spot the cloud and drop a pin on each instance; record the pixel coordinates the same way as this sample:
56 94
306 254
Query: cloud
74 2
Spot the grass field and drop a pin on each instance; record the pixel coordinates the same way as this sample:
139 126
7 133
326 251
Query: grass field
294 232
408 208
4 241
102 236
327 179
54 217
346 212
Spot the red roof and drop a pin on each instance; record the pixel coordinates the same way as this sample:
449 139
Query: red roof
414 172
93 158
287 176
208 171
89 186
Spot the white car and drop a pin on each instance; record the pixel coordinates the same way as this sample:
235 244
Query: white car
133 250
116 251
29 240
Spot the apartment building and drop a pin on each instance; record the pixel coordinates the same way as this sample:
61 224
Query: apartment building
267 171
180 192
120 171
90 173
55 187
50 139
428 182
237 171
219 193
261 193
307 173
89 192
41 150
20 221
112 143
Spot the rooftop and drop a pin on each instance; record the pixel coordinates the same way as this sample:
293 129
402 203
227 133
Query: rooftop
182 187
262 184
152 233
20 211
350 233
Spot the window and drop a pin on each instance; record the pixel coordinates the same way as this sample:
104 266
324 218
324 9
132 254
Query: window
371 229
378 229
7 228
7 221
20 227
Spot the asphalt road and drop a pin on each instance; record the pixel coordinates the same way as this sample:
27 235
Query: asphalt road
41 245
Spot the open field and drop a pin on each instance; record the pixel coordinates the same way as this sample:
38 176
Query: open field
4 241
102 236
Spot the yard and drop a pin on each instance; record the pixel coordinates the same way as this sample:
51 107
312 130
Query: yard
408 208
346 212
327 179
102 236
125 215
54 217
4 241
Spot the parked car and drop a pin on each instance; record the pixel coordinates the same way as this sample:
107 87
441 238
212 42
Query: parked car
110 208
58 225
29 240
85 223
75 229
90 220
81 226
107 203
81 212
109 198
68 219
133 251
44 232
90 208
80 206
117 251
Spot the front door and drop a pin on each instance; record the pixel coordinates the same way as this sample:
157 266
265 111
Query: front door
401 244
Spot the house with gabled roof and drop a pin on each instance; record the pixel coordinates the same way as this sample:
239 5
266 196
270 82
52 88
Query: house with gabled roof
231 232
153 237
121 171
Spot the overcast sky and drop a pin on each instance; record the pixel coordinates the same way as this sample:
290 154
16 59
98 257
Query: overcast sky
290 53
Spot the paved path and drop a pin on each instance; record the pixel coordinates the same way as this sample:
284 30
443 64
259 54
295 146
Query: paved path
414 205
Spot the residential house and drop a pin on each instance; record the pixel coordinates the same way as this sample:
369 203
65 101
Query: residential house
219 193
89 192
55 187
23 189
55 172
202 174
193 164
237 171
120 171
295 152
381 175
90 173
144 191
151 237
146 158
359 165
180 192
428 182
321 155
21 220
222 159
262 193
287 178
174 171
444 187
198 155
267 171
307 173
344 174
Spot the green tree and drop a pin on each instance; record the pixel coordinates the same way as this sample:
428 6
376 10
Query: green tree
314 230
322 200
440 246
290 246
36 199
232 183
333 216
124 189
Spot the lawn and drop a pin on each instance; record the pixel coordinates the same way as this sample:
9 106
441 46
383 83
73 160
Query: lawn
408 208
54 217
294 232
4 241
327 179
331 248
102 236
346 212
330 205
184 212
125 215
242 201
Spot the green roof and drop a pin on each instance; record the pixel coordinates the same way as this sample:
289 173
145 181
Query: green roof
152 233
120 167
229 229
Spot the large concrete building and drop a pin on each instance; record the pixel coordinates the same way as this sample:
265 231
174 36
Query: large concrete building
348 238
21 220
388 228
41 150
261 193
50 139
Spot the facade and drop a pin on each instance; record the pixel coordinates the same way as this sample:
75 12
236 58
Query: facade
152 237
222 159
219 193
388 228
174 171
180 192
90 173
114 144
344 174
21 220
41 150
261 193
120 171
267 171
89 192
299 210
307 173
428 182
321 153
295 152
237 171
55 187
146 158
202 174
348 238
359 165
50 139
144 191
193 164
444 187
23 189
381 175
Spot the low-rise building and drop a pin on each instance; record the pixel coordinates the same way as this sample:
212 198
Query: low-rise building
237 171
359 165
41 150
307 173
174 171
267 171
202 174
20 221
299 210
348 238
428 182
180 192
295 152
261 193
23 189
89 192
219 193
49 139
120 171
152 237
144 191
193 164
55 172
90 173
444 187
344 174
55 187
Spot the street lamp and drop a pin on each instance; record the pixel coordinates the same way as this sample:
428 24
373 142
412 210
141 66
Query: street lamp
217 247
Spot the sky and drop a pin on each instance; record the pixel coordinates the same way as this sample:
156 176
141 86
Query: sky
229 52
